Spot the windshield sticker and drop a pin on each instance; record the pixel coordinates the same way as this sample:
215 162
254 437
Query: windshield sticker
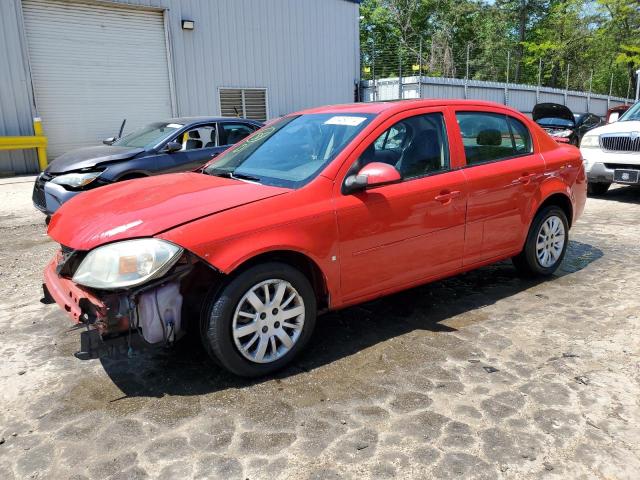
347 121
174 125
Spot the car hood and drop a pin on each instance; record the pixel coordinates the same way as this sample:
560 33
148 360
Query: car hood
552 110
147 206
90 157
617 127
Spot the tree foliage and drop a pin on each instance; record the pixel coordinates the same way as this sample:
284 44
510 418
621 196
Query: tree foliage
588 42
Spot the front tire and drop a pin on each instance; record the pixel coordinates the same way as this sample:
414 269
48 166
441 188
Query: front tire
597 189
258 322
546 243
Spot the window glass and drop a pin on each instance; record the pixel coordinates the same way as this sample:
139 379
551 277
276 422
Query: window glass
200 137
149 135
231 133
291 151
415 146
491 136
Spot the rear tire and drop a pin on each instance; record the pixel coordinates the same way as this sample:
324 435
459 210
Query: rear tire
596 189
546 243
274 304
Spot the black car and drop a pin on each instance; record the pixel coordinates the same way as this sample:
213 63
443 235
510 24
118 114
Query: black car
562 124
174 145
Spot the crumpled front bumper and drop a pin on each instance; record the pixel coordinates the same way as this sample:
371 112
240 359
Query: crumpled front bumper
82 306
48 197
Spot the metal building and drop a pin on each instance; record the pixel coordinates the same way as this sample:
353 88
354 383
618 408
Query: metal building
84 65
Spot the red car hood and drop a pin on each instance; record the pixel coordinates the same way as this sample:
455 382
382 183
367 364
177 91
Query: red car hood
148 206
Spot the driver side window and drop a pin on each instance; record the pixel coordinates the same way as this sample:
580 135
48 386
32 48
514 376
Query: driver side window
415 146
203 136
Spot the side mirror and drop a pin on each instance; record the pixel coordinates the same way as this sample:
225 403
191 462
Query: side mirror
109 141
372 175
172 147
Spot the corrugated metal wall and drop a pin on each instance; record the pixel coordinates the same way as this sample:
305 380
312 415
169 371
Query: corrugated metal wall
304 52
520 97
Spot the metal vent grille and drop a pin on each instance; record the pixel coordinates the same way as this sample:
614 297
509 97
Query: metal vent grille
620 143
244 102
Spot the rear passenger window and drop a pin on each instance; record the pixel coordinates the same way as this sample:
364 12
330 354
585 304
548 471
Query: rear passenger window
416 146
232 133
488 137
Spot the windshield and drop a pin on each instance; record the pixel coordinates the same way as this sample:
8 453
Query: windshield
149 135
632 114
292 151
555 122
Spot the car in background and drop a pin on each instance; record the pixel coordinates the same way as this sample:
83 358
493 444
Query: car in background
612 152
173 145
323 209
562 124
614 113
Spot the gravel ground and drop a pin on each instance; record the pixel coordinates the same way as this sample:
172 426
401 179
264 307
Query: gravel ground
483 375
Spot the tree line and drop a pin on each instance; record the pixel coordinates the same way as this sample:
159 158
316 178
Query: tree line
589 43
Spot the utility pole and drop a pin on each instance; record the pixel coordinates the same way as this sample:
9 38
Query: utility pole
539 80
610 90
506 85
566 90
589 93
637 85
466 76
373 68
420 70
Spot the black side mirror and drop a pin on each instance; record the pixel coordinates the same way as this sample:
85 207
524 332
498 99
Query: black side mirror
354 183
173 147
109 141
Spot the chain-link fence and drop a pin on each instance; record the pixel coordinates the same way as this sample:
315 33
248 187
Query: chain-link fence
396 60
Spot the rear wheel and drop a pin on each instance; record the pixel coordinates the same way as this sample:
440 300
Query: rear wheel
260 320
597 188
546 243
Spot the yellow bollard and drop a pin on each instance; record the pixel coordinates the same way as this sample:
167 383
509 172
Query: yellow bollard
42 151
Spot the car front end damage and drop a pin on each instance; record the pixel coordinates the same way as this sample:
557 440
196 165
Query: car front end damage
153 311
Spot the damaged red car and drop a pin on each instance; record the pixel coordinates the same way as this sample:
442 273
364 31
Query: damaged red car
319 210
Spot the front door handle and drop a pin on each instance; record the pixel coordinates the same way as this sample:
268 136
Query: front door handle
445 196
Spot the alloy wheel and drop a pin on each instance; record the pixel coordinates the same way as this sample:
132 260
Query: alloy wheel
268 321
550 241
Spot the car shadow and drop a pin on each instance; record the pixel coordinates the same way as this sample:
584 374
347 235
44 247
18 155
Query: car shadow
623 194
186 370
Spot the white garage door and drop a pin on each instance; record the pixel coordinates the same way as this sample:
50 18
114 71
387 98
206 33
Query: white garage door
94 65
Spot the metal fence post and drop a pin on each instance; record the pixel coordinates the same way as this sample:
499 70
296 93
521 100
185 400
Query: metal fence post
637 84
506 85
566 90
628 91
589 93
466 76
373 69
539 80
610 89
400 71
420 71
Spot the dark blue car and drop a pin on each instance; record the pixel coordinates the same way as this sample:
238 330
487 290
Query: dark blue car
174 145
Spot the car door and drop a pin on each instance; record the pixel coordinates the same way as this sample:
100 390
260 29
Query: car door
199 145
503 172
395 235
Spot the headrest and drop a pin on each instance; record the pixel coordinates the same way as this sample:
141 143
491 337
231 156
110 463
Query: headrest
194 134
490 136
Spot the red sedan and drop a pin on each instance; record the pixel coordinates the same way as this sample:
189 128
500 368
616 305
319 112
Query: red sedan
319 210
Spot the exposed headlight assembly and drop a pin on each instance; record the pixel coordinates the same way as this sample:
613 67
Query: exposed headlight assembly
590 141
127 263
76 180
563 133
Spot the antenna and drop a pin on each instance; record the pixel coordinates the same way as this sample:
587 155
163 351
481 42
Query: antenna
122 128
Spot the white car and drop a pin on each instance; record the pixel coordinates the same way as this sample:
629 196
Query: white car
612 153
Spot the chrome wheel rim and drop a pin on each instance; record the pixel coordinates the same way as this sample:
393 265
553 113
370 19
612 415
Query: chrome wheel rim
268 321
550 241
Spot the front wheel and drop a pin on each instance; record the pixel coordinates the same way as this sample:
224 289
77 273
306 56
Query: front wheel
260 320
546 243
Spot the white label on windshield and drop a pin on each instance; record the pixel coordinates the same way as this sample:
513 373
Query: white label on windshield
174 125
348 121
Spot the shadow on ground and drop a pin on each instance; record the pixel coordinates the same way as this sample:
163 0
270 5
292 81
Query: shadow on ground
185 370
626 194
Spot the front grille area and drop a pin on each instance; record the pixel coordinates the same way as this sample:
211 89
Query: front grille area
620 143
38 190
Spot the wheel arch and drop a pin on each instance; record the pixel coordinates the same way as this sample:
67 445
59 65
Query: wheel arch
297 260
560 200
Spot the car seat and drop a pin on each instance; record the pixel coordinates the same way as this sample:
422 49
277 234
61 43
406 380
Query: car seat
212 138
423 155
193 141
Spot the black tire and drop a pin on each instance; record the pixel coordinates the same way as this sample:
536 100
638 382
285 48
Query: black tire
596 189
526 262
220 307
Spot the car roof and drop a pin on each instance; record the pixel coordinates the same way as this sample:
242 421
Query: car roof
200 119
399 105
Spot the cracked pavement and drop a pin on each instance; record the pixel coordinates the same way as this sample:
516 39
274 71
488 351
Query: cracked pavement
479 376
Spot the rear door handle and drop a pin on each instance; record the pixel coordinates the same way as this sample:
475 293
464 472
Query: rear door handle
446 196
524 178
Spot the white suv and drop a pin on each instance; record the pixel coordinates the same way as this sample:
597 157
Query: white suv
612 152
